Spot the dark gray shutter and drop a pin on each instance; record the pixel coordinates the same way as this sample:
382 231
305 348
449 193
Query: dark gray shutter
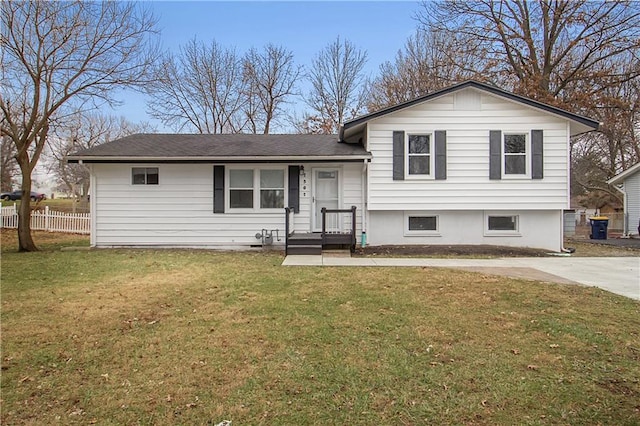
537 157
441 154
218 189
398 155
495 154
294 188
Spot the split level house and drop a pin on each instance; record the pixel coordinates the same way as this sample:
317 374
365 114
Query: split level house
470 164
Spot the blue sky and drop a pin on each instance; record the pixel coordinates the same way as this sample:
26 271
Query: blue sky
304 27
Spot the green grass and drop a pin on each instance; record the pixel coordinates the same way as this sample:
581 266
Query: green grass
197 337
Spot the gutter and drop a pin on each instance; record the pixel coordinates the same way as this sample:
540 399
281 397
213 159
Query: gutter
238 159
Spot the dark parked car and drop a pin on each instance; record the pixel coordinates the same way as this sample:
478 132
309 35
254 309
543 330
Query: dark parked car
16 195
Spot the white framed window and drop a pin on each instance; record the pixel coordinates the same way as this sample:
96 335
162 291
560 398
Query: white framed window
271 188
145 176
260 188
241 184
501 224
421 223
419 155
515 155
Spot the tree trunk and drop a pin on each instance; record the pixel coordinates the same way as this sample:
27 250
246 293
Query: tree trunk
25 240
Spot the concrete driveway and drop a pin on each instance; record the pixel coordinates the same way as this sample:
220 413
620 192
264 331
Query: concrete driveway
619 275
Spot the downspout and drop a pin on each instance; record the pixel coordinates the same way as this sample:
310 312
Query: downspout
569 152
562 248
93 192
625 229
363 237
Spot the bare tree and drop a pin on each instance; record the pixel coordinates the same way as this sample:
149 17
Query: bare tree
337 79
199 89
270 77
83 131
61 54
429 61
598 156
547 50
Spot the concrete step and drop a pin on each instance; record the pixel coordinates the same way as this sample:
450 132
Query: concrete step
336 253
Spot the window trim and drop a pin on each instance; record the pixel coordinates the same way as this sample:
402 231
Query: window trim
421 233
501 233
256 188
527 155
146 179
282 188
432 154
252 189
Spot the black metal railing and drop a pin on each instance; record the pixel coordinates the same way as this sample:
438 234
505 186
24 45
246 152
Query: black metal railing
287 225
336 234
333 233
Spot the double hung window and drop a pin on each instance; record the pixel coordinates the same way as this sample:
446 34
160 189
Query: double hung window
515 154
419 155
256 188
271 189
241 188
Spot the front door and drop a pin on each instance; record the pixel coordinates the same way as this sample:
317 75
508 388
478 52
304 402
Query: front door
325 193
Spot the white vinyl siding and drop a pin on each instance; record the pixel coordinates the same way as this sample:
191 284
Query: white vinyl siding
179 211
632 202
467 186
536 229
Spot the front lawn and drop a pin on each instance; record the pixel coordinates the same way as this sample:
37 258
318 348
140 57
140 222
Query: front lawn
198 337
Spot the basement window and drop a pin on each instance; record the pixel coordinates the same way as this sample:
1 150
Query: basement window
502 224
421 224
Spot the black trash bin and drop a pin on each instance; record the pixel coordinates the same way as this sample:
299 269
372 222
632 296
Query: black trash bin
599 225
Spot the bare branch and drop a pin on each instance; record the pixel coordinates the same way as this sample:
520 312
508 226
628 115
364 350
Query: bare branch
57 56
337 84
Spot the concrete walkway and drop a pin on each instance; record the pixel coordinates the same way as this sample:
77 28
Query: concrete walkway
620 275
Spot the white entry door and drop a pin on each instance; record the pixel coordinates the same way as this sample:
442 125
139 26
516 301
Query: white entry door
325 193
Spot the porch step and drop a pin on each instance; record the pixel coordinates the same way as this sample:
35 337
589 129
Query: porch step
305 249
305 239
307 243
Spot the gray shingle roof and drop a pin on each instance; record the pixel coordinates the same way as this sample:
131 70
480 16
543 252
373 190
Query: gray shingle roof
194 147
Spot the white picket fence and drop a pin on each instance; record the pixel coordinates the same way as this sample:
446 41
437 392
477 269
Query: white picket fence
49 220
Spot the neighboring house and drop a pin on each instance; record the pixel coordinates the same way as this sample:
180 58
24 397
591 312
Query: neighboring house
628 182
470 164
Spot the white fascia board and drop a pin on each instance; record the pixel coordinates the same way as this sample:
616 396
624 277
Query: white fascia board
621 176
248 159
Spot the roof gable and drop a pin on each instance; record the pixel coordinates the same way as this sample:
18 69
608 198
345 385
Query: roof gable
620 177
584 124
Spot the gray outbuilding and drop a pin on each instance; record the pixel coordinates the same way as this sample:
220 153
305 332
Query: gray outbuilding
628 182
